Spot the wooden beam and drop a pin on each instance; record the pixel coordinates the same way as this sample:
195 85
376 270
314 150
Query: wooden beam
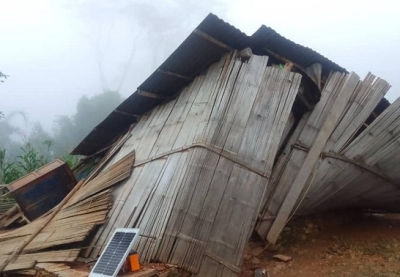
175 74
213 40
365 167
152 95
349 161
127 114
289 63
246 53
312 157
267 218
288 66
315 73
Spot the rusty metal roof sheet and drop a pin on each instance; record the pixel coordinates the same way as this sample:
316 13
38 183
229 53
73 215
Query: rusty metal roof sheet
193 56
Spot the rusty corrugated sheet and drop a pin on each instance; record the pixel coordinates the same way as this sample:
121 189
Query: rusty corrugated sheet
193 56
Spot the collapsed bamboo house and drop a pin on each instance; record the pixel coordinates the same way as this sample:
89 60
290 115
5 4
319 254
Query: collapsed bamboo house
234 134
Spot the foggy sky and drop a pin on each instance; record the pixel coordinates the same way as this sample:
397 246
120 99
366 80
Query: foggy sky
51 49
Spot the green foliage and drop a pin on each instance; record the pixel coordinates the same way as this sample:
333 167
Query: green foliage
30 160
8 171
71 160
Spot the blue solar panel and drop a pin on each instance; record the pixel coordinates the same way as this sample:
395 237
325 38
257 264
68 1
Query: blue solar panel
115 253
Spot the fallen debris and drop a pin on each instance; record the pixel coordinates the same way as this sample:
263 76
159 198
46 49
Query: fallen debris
41 190
282 258
255 260
256 251
13 216
72 220
261 272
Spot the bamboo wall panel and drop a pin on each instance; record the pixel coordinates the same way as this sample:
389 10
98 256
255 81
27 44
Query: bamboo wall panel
349 186
284 195
197 205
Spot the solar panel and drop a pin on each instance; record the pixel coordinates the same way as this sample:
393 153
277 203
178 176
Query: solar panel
115 253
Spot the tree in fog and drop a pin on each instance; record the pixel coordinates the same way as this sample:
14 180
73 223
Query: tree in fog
40 139
90 111
11 135
68 131
132 38
3 77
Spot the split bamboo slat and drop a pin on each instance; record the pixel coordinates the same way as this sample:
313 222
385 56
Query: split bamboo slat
19 266
326 183
302 179
54 269
290 163
376 148
72 220
202 165
326 129
26 261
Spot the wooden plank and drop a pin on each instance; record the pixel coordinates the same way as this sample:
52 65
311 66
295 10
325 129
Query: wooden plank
312 157
194 186
243 211
212 40
134 116
289 165
152 95
175 74
19 266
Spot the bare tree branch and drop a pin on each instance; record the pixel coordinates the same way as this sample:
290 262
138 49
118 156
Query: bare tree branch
3 77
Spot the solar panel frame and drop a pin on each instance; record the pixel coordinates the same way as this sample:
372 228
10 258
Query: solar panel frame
108 254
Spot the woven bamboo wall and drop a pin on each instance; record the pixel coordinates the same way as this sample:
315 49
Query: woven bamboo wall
316 165
202 166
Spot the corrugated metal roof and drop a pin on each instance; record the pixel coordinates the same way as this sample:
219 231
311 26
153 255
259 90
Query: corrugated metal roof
193 56
266 37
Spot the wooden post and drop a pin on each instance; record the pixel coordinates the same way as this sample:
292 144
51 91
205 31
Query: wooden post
313 156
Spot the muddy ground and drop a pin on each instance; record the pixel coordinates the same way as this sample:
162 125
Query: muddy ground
331 245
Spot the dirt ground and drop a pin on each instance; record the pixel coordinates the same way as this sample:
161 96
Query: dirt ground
333 246
330 245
